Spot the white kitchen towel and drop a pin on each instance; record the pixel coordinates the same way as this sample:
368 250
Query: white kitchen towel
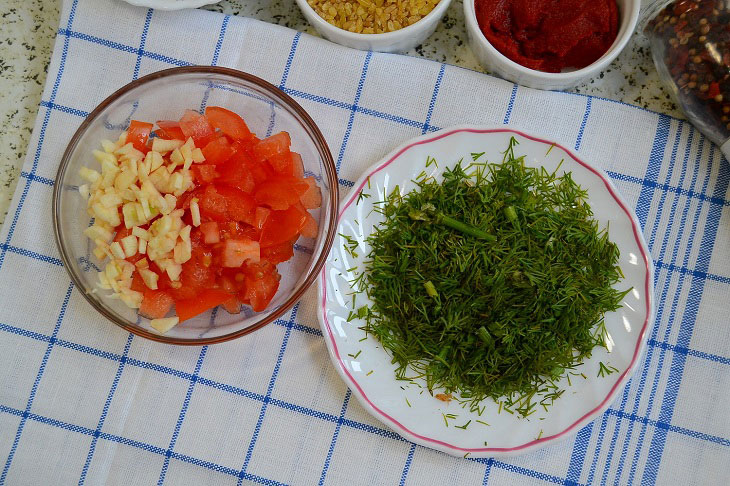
81 401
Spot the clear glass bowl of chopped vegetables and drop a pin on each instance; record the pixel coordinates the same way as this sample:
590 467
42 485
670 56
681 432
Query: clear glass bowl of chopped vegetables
195 205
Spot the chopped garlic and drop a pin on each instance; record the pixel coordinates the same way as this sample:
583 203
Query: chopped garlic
173 271
198 156
129 244
149 277
117 250
163 146
108 146
195 211
140 233
89 175
143 263
146 188
165 324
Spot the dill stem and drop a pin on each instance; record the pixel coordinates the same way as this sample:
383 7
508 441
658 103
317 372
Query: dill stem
467 229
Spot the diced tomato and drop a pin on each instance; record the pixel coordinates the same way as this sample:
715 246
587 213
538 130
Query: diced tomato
272 145
204 300
235 174
228 122
122 232
211 233
155 304
175 289
232 305
235 230
204 172
232 280
260 216
239 205
213 205
196 239
197 271
183 202
310 228
312 198
247 167
282 226
237 251
278 253
218 151
245 147
169 130
195 125
262 282
282 163
135 258
297 165
138 133
280 193
138 284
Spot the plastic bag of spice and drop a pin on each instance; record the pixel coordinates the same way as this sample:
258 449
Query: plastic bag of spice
690 44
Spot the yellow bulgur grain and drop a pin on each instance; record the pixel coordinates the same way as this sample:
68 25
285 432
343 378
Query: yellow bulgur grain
372 16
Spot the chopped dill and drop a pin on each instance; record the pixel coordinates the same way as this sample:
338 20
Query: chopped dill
482 422
475 155
409 403
492 283
463 427
552 146
354 356
362 195
351 245
369 373
605 370
430 160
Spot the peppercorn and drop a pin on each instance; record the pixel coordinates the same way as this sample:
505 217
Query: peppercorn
696 52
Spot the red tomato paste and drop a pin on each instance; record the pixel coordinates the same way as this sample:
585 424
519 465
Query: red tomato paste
549 35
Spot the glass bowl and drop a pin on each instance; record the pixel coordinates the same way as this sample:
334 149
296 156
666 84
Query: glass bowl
166 95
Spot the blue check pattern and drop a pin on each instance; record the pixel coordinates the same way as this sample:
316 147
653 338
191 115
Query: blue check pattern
83 402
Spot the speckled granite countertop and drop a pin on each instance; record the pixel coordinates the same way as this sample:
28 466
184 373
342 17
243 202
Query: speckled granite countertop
29 28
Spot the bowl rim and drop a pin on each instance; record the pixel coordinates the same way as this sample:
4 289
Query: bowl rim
632 13
278 95
321 23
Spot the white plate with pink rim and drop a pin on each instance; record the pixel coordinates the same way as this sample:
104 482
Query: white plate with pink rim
419 417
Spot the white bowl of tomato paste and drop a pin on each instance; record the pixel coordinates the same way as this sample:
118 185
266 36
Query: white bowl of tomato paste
549 44
195 205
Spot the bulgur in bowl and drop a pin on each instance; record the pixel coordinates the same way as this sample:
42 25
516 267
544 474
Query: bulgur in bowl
376 25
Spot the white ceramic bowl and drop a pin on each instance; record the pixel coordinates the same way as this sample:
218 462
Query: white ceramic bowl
500 65
397 41
171 4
